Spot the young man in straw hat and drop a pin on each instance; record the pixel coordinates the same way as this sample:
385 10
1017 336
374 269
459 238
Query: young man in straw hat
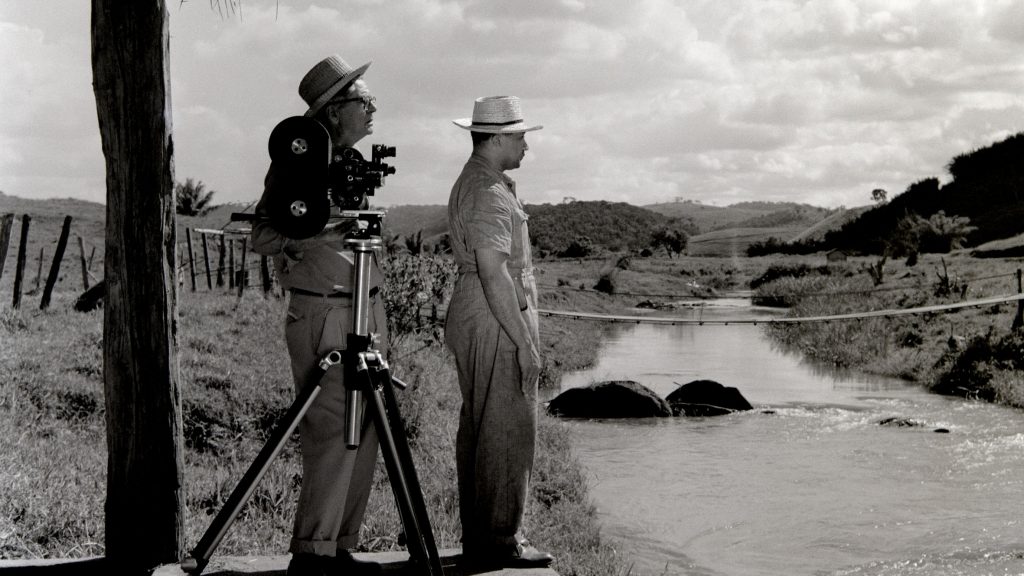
317 272
492 331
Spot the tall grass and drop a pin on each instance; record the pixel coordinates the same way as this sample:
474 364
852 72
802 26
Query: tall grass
236 383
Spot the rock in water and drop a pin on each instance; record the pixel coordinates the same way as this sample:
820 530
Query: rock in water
706 398
610 399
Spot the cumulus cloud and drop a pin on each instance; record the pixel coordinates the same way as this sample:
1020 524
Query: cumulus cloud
815 101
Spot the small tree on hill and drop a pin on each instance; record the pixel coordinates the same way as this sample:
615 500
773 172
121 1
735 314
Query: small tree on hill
192 198
673 240
580 247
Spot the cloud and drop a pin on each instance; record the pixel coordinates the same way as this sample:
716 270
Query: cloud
816 100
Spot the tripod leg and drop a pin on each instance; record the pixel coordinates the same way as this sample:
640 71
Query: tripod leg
419 506
402 473
243 491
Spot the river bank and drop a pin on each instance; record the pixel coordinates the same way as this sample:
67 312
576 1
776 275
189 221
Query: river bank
971 352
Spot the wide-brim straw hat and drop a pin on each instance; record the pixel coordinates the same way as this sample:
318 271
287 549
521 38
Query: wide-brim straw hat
325 80
496 115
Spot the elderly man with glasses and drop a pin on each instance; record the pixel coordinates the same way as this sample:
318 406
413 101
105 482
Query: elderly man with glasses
317 273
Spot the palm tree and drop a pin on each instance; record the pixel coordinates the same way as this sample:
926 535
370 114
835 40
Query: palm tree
192 198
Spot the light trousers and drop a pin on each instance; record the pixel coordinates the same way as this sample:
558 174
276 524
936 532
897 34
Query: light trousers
336 481
497 421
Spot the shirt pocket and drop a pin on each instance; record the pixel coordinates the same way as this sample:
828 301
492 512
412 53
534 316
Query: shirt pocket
520 238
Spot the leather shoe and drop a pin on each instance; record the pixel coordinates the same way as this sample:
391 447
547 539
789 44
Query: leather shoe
515 556
342 564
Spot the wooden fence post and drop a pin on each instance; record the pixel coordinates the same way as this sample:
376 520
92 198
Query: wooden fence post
265 274
19 270
206 260
6 225
85 267
220 262
241 276
231 264
1018 320
191 258
58 256
39 269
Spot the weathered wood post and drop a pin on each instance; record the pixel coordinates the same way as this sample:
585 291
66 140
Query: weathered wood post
191 258
1018 320
85 267
231 264
19 269
206 261
58 256
39 269
242 271
6 225
265 274
144 520
220 262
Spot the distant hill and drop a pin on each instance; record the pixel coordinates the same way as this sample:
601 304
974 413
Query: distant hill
987 187
615 226
405 221
834 221
743 214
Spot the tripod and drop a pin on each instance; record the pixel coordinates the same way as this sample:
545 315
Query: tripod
367 372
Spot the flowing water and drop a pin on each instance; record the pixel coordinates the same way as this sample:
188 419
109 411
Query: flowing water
809 482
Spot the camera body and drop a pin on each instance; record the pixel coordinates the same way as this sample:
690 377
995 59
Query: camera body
309 183
352 178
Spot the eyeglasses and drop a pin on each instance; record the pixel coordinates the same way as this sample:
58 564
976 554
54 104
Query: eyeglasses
367 101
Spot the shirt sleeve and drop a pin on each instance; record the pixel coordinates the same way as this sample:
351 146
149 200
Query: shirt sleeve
489 222
265 240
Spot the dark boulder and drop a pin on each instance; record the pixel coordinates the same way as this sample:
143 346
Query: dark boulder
706 398
610 399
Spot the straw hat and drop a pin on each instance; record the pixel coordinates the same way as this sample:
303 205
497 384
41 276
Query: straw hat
325 80
496 115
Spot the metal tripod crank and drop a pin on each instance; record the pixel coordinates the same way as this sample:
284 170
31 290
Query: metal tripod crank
367 370
196 563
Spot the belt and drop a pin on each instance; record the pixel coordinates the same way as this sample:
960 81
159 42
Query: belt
332 295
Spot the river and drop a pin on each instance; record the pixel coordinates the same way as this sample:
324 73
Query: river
808 483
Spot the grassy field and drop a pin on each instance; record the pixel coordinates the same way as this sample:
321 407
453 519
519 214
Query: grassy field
235 384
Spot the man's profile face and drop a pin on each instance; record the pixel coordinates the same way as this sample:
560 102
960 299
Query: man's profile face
514 148
352 113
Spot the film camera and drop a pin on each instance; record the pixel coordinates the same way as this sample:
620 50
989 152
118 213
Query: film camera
309 183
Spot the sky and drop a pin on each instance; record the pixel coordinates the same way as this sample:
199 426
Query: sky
642 101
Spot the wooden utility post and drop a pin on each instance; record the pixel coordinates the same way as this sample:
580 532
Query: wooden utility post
131 79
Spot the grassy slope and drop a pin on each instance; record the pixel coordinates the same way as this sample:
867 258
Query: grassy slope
235 383
921 348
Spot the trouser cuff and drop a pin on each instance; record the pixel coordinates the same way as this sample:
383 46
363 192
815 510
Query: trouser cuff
324 547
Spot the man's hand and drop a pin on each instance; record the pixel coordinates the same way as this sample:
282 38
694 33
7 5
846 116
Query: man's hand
529 367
